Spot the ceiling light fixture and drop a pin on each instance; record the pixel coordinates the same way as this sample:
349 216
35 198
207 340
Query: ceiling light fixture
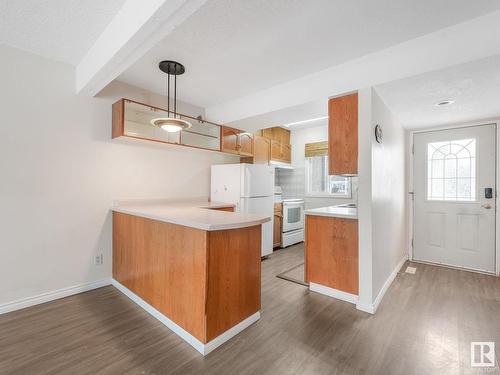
172 123
305 121
444 102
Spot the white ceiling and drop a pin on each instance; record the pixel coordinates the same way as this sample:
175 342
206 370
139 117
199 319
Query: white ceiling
235 47
61 30
475 88
288 115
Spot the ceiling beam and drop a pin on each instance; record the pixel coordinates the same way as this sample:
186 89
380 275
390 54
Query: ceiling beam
461 43
138 26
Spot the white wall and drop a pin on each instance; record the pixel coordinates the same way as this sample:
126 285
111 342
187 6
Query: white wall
382 196
293 181
60 172
388 195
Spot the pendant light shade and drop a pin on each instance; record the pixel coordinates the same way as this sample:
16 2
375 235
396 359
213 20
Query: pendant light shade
173 123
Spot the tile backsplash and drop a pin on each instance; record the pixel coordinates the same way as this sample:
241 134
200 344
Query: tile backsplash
293 185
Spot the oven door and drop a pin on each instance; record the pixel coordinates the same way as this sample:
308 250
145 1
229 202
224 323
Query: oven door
293 216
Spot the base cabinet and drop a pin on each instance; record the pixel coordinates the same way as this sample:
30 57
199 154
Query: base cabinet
332 252
206 282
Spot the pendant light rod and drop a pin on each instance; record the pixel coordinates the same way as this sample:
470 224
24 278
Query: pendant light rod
168 94
175 96
171 123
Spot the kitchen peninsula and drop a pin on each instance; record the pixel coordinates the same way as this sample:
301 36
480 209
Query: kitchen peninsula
331 251
194 265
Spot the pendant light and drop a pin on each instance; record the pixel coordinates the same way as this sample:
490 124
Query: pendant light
172 123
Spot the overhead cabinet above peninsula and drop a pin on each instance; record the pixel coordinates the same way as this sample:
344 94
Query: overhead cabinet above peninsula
133 119
343 135
137 120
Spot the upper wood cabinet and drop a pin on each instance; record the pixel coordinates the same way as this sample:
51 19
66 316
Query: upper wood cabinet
133 119
343 135
236 141
230 140
261 150
286 152
281 150
246 144
278 134
275 150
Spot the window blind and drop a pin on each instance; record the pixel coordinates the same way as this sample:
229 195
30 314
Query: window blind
316 149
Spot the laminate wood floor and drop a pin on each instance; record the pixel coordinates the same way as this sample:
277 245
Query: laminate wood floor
423 326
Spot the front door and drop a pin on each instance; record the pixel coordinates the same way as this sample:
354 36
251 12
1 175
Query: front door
454 197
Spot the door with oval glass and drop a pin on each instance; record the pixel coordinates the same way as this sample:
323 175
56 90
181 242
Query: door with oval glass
455 197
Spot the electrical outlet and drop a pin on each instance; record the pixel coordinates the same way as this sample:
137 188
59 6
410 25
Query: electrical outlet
98 260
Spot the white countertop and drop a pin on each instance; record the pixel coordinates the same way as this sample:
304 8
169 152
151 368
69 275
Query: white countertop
194 214
334 211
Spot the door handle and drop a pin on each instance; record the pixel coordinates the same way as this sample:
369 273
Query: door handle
486 206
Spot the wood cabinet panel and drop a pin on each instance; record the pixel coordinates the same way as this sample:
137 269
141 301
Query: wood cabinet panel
262 150
118 119
286 152
277 229
276 150
343 135
245 141
165 264
233 278
277 134
332 252
229 142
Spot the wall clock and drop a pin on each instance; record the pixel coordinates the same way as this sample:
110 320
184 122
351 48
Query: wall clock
378 133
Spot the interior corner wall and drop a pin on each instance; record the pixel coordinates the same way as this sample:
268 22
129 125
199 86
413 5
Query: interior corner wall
365 295
389 219
382 218
61 172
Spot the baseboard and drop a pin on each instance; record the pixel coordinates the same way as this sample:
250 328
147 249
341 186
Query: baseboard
372 308
51 296
331 292
181 332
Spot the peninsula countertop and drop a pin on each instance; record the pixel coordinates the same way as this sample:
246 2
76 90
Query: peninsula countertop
200 214
335 211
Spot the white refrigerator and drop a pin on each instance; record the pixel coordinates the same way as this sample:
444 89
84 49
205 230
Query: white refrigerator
251 188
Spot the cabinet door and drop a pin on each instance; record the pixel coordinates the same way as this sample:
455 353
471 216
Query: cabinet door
277 230
343 135
261 150
230 140
276 151
245 144
332 252
286 152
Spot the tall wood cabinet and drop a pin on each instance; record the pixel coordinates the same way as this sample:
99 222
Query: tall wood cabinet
343 135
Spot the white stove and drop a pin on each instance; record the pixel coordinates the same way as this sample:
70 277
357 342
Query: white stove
293 222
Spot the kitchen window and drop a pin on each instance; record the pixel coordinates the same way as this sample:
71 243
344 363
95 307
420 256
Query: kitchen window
319 183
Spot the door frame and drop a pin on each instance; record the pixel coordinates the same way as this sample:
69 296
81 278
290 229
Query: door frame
410 201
